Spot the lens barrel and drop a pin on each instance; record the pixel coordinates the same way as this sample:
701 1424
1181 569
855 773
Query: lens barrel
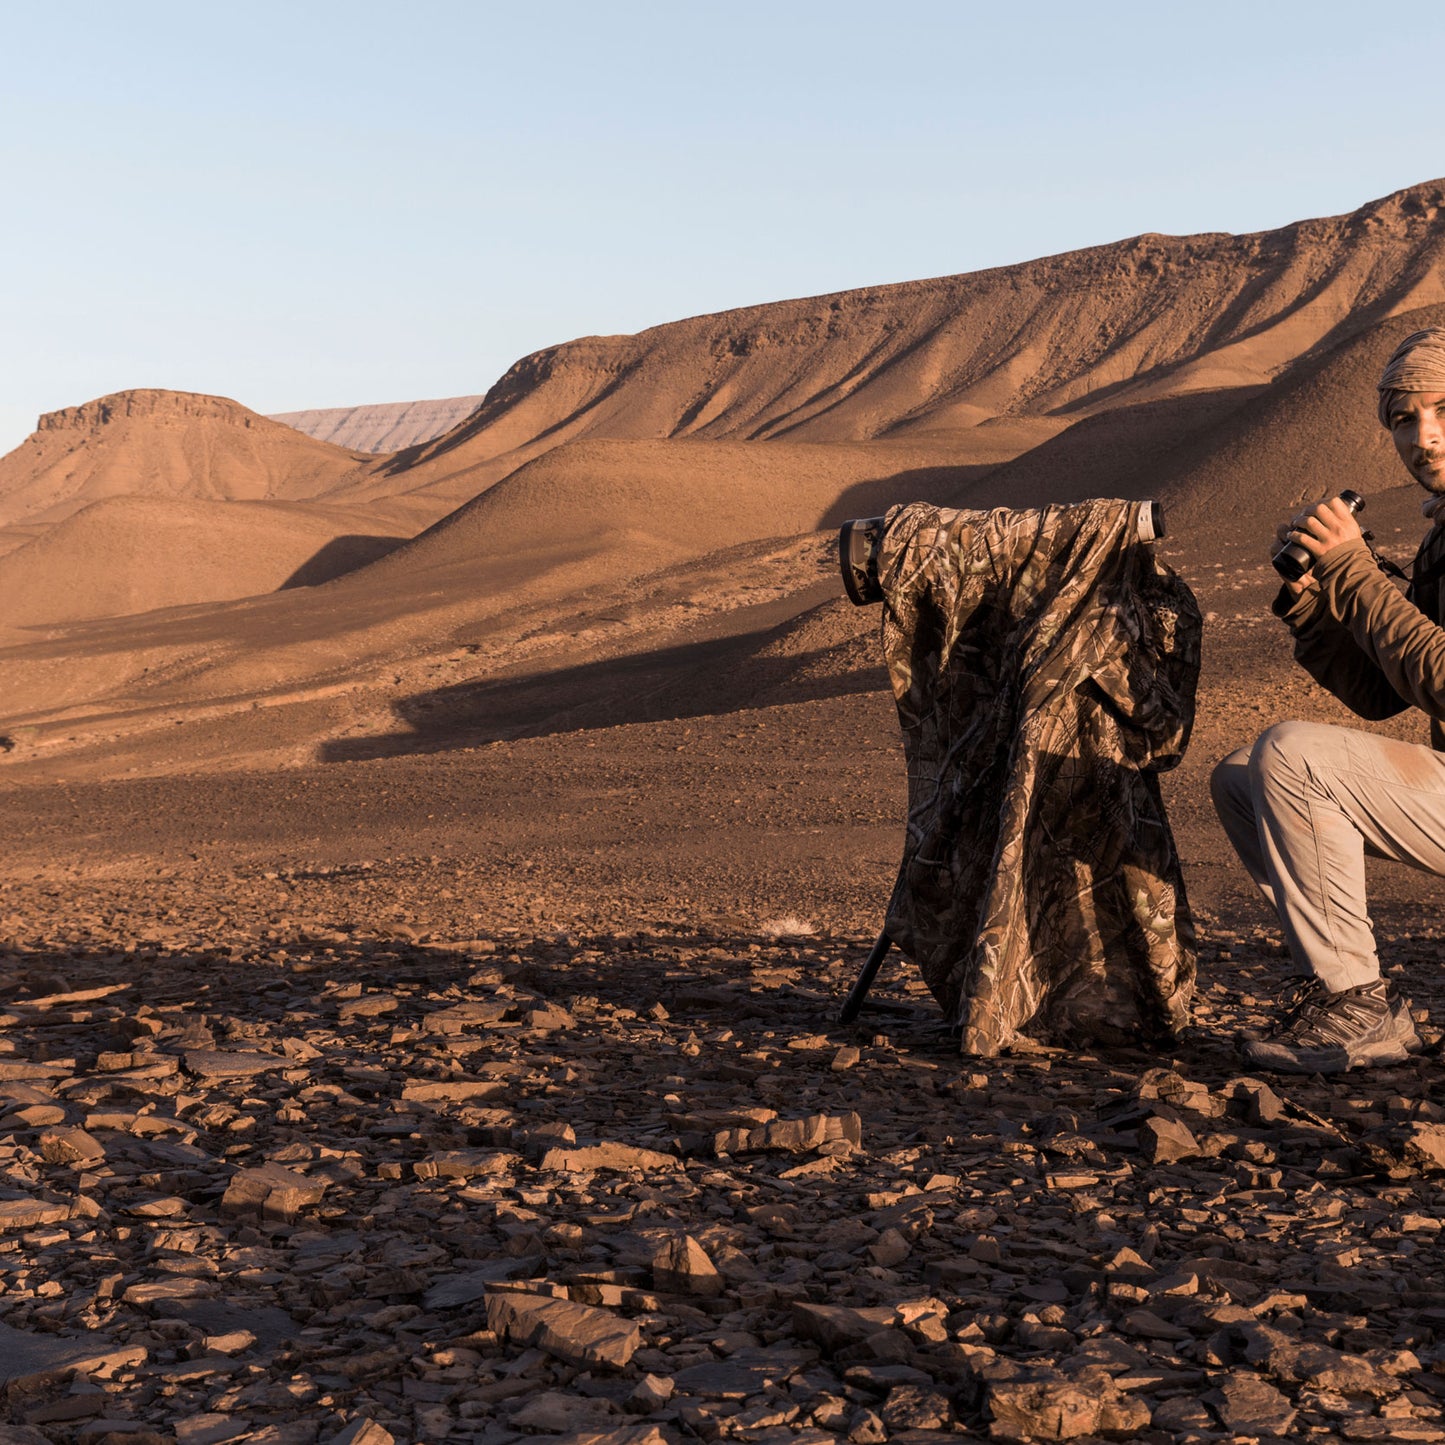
858 543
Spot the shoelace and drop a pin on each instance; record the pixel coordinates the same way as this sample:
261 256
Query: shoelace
1329 1018
1296 993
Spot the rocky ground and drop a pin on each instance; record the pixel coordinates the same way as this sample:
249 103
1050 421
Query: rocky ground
347 1184
498 1094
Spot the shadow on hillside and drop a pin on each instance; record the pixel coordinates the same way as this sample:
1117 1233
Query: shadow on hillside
695 680
943 486
339 556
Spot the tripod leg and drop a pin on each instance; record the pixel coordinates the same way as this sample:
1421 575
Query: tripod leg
853 1005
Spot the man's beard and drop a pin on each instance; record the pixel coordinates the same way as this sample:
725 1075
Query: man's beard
1429 471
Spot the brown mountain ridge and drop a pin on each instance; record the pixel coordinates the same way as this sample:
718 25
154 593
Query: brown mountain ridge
949 358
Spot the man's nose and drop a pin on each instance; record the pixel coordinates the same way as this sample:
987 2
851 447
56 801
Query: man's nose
1429 431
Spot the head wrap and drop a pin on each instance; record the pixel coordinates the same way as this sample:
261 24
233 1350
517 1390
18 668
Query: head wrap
1416 364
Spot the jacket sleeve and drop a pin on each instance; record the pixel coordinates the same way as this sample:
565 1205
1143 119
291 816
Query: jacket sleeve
1327 648
1390 632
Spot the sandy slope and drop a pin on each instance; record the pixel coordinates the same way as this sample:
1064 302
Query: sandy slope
135 554
1241 458
503 576
671 499
160 444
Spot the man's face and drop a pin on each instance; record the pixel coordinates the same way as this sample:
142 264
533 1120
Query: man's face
1417 423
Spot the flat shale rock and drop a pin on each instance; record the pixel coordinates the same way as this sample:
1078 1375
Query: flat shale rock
267 1324
168 1288
582 1334
471 1285
22 1435
362 1431
790 1136
70 1146
222 1064
1061 1409
465 1164
1406 1149
617 1435
556 1412
1165 1141
25 1069
271 1192
464 1017
916 1407
617 1157
28 1213
1320 1366
450 1091
1255 1099
1248 1405
836 1327
736 1378
26 1357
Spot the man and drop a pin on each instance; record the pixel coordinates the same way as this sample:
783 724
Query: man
1309 801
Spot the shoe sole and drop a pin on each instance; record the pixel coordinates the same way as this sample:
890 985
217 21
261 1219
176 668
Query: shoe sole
1328 1061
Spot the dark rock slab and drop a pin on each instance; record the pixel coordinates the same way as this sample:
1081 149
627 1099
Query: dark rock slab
27 1358
472 1284
1249 1405
582 1334
270 1325
224 1064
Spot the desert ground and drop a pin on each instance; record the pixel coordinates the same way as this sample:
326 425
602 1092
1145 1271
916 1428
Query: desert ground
421 980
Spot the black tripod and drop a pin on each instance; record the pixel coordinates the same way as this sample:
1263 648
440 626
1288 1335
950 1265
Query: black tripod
853 1004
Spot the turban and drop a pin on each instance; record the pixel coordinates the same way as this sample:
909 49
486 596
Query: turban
1416 364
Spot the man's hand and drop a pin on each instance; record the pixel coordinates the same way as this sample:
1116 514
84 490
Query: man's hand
1321 527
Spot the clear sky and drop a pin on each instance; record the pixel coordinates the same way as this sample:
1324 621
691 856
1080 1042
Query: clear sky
327 202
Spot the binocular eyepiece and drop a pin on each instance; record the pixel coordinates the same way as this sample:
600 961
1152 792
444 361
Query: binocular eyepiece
1293 562
859 542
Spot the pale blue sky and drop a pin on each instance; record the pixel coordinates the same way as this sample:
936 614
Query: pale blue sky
322 203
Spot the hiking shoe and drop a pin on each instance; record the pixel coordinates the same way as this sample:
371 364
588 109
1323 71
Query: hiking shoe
1404 1017
1327 1033
1306 987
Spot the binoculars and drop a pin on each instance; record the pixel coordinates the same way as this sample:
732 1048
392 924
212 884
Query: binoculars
1292 562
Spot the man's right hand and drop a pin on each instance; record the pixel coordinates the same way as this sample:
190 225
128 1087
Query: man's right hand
1307 583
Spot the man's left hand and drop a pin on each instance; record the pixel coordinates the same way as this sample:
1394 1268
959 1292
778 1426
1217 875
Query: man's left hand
1322 527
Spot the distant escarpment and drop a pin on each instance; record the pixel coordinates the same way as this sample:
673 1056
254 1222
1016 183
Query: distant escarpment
385 427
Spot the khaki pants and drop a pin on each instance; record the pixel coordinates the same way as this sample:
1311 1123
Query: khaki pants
1304 806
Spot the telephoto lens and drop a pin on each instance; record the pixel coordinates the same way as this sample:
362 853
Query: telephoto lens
1292 561
858 543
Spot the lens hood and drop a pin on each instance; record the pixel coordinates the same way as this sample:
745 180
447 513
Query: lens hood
858 544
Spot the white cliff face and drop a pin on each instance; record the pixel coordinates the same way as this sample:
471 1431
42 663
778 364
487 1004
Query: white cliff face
385 427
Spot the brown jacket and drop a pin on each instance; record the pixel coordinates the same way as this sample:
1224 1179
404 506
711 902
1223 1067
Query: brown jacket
1377 649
